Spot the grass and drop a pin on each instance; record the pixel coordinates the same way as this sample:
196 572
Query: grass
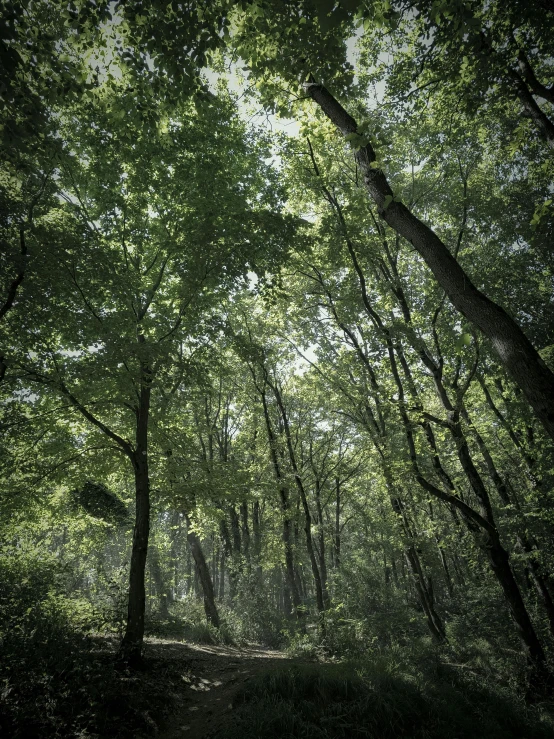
351 701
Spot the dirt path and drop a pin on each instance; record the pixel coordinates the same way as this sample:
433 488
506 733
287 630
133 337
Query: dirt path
211 677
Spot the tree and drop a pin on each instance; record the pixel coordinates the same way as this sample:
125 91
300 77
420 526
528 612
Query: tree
139 269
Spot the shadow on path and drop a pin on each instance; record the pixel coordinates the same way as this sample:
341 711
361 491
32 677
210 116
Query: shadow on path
211 678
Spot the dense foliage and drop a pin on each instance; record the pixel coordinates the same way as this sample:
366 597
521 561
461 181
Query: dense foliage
278 384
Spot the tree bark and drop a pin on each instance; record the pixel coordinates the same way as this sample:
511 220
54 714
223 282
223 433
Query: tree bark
533 109
321 542
228 552
12 291
423 585
245 529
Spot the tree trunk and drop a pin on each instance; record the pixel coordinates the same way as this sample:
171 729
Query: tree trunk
321 541
517 354
540 677
130 650
188 573
235 530
423 585
285 509
482 525
159 581
210 608
245 529
525 545
256 529
131 647
337 522
286 599
222 576
300 485
228 551
234 563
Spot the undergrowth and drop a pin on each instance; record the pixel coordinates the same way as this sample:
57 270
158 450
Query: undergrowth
58 676
340 701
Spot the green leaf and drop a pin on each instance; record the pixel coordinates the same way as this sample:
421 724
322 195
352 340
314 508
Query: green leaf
463 340
356 141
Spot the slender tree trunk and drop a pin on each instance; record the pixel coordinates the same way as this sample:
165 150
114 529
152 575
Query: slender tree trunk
222 576
321 541
286 600
536 576
188 572
256 529
481 523
235 561
228 551
159 581
235 530
210 607
394 573
257 539
215 566
528 459
445 568
245 529
517 354
174 559
337 522
423 585
307 515
499 558
499 561
285 509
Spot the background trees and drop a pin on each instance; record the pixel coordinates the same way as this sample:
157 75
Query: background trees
214 332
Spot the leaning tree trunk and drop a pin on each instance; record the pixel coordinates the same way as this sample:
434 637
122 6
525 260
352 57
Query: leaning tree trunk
423 585
320 601
525 545
210 607
285 508
518 355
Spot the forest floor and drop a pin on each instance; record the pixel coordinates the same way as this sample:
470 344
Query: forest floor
212 677
190 690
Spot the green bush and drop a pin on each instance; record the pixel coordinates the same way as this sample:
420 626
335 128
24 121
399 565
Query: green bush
58 679
251 619
187 621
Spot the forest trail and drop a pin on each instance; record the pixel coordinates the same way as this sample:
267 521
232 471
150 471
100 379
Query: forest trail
212 676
